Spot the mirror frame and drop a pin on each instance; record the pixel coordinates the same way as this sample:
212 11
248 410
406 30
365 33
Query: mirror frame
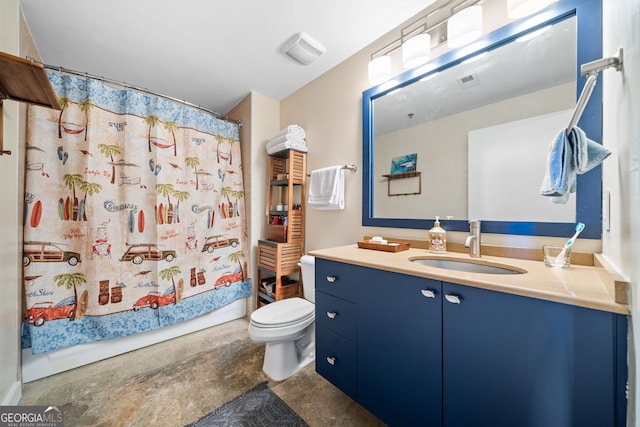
588 15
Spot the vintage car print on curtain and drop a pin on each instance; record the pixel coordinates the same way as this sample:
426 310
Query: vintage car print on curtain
133 215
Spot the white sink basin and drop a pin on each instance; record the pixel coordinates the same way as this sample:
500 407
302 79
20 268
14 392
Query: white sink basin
467 266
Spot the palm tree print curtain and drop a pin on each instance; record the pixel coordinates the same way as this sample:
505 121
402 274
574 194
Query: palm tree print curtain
134 215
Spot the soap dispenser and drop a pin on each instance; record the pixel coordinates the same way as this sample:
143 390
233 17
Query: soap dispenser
437 238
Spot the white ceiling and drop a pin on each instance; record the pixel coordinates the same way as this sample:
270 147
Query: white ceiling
208 53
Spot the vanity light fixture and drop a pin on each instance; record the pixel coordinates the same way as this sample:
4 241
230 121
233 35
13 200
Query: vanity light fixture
519 8
465 26
417 38
416 51
379 70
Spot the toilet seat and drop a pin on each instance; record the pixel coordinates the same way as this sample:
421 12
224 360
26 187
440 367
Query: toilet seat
283 313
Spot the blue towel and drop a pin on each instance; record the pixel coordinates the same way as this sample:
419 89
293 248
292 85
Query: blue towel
568 156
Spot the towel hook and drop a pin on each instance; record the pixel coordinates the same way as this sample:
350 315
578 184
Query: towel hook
592 69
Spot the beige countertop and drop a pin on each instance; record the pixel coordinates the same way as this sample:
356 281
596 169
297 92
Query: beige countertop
580 285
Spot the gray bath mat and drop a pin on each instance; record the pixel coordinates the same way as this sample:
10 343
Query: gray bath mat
256 408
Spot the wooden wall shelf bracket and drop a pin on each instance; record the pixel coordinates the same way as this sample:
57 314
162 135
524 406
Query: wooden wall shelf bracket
24 81
402 175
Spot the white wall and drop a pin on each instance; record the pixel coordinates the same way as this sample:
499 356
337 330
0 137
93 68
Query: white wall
11 236
621 174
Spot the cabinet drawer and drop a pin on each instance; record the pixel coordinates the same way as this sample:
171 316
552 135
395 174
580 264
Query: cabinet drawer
337 278
336 314
336 360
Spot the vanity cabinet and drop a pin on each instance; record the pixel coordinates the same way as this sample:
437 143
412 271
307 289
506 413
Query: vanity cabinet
510 360
434 353
336 317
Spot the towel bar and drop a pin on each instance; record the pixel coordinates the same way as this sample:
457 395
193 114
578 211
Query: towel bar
352 168
592 69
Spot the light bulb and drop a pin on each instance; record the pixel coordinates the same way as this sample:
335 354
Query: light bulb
416 51
379 70
465 26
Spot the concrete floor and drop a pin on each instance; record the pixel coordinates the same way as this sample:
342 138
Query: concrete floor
178 381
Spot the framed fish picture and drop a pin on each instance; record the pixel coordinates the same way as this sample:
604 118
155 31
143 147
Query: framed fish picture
405 163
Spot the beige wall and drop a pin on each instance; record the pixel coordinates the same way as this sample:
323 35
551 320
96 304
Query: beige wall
260 118
14 39
621 174
329 110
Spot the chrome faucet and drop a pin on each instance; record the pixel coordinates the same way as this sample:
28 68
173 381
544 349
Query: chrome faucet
473 241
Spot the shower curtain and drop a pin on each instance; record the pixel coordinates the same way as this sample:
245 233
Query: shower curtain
133 215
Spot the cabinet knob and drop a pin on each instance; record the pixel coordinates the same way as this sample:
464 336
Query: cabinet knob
428 293
453 299
331 314
331 360
331 279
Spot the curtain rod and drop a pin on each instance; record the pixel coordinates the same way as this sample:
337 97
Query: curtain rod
139 89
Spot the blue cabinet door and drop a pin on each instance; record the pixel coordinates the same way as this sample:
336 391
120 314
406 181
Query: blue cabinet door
399 341
336 360
338 279
336 314
515 361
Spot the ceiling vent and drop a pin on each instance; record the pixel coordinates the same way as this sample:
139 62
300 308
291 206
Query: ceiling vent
468 81
303 49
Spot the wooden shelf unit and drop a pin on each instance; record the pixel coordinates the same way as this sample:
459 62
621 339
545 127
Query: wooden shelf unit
280 252
24 81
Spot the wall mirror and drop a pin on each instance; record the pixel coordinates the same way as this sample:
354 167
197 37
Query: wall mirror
480 120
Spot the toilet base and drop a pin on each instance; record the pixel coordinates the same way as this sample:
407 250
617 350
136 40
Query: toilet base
284 358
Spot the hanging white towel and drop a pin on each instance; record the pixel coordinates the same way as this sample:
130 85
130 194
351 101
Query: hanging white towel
326 188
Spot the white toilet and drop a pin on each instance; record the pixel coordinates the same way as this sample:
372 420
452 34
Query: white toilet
288 328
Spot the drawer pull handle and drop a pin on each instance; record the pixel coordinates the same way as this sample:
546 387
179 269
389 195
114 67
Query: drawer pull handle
331 279
428 293
453 299
331 360
331 314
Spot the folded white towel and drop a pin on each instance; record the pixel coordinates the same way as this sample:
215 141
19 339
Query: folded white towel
326 188
286 146
292 130
284 138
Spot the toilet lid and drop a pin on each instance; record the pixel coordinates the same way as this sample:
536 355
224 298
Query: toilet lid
282 313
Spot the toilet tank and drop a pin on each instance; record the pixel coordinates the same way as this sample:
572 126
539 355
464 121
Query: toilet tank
308 268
